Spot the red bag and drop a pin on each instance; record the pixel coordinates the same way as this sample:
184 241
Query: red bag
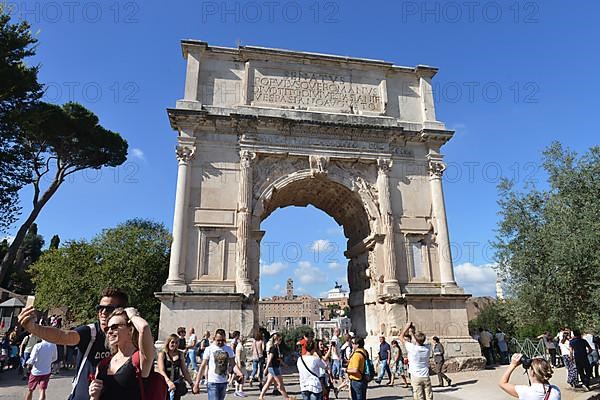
154 387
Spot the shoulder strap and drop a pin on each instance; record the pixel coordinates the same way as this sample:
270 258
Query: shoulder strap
85 356
135 360
308 369
548 392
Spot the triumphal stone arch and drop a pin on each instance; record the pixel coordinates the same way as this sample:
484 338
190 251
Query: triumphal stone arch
262 128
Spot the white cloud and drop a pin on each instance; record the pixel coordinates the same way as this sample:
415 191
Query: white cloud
300 290
273 268
138 153
320 245
335 265
479 280
308 274
278 289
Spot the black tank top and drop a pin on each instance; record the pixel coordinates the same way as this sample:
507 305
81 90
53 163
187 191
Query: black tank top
171 366
123 385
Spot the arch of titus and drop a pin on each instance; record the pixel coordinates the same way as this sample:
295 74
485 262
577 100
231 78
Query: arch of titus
262 128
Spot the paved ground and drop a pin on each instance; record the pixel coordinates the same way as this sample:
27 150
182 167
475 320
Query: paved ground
480 385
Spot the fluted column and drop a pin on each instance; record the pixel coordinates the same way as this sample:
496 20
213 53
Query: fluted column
185 154
244 215
390 283
436 169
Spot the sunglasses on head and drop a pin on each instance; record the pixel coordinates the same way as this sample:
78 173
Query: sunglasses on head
108 308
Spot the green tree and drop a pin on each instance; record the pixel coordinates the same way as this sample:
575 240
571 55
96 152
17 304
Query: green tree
69 276
19 91
61 141
18 278
133 256
547 245
290 336
54 242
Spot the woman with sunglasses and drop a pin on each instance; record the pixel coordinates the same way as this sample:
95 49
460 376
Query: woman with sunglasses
130 341
172 366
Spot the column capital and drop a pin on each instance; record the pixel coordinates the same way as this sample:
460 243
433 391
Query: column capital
185 152
384 165
247 157
436 168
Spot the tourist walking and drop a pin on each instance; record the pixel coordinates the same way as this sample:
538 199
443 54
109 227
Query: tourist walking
25 350
336 354
309 366
190 345
258 358
172 367
41 358
438 358
502 346
539 373
385 357
418 363
89 339
398 364
580 349
273 365
485 340
240 364
593 356
549 345
132 352
568 360
220 360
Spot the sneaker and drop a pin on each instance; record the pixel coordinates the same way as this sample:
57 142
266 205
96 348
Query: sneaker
242 394
586 387
449 382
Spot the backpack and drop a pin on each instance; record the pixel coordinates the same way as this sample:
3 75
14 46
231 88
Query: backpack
369 369
152 388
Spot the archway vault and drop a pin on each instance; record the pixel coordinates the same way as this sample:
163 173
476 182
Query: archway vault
335 199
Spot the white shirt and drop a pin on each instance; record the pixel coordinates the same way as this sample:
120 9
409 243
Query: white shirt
309 382
537 391
218 362
42 357
191 340
418 359
335 354
590 339
564 348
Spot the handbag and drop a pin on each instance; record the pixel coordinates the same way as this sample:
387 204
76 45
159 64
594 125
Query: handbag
181 388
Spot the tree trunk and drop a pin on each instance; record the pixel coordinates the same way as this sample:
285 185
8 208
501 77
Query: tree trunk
13 249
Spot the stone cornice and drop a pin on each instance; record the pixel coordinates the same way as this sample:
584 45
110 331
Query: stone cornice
299 123
244 53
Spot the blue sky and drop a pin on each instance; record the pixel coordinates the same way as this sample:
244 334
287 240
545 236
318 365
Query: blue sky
513 77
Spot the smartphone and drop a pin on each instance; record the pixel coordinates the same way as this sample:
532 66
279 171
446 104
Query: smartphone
30 301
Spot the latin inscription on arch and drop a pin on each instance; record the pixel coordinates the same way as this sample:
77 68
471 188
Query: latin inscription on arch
315 90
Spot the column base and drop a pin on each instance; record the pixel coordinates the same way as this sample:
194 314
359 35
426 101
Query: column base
174 286
205 311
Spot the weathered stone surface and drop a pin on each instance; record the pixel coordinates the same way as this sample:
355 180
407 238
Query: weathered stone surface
458 364
260 129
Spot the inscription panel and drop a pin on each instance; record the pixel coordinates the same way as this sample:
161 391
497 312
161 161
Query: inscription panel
316 90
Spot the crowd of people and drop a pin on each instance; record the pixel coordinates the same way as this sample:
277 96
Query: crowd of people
116 359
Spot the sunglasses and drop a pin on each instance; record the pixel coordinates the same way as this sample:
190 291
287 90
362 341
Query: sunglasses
114 327
108 309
